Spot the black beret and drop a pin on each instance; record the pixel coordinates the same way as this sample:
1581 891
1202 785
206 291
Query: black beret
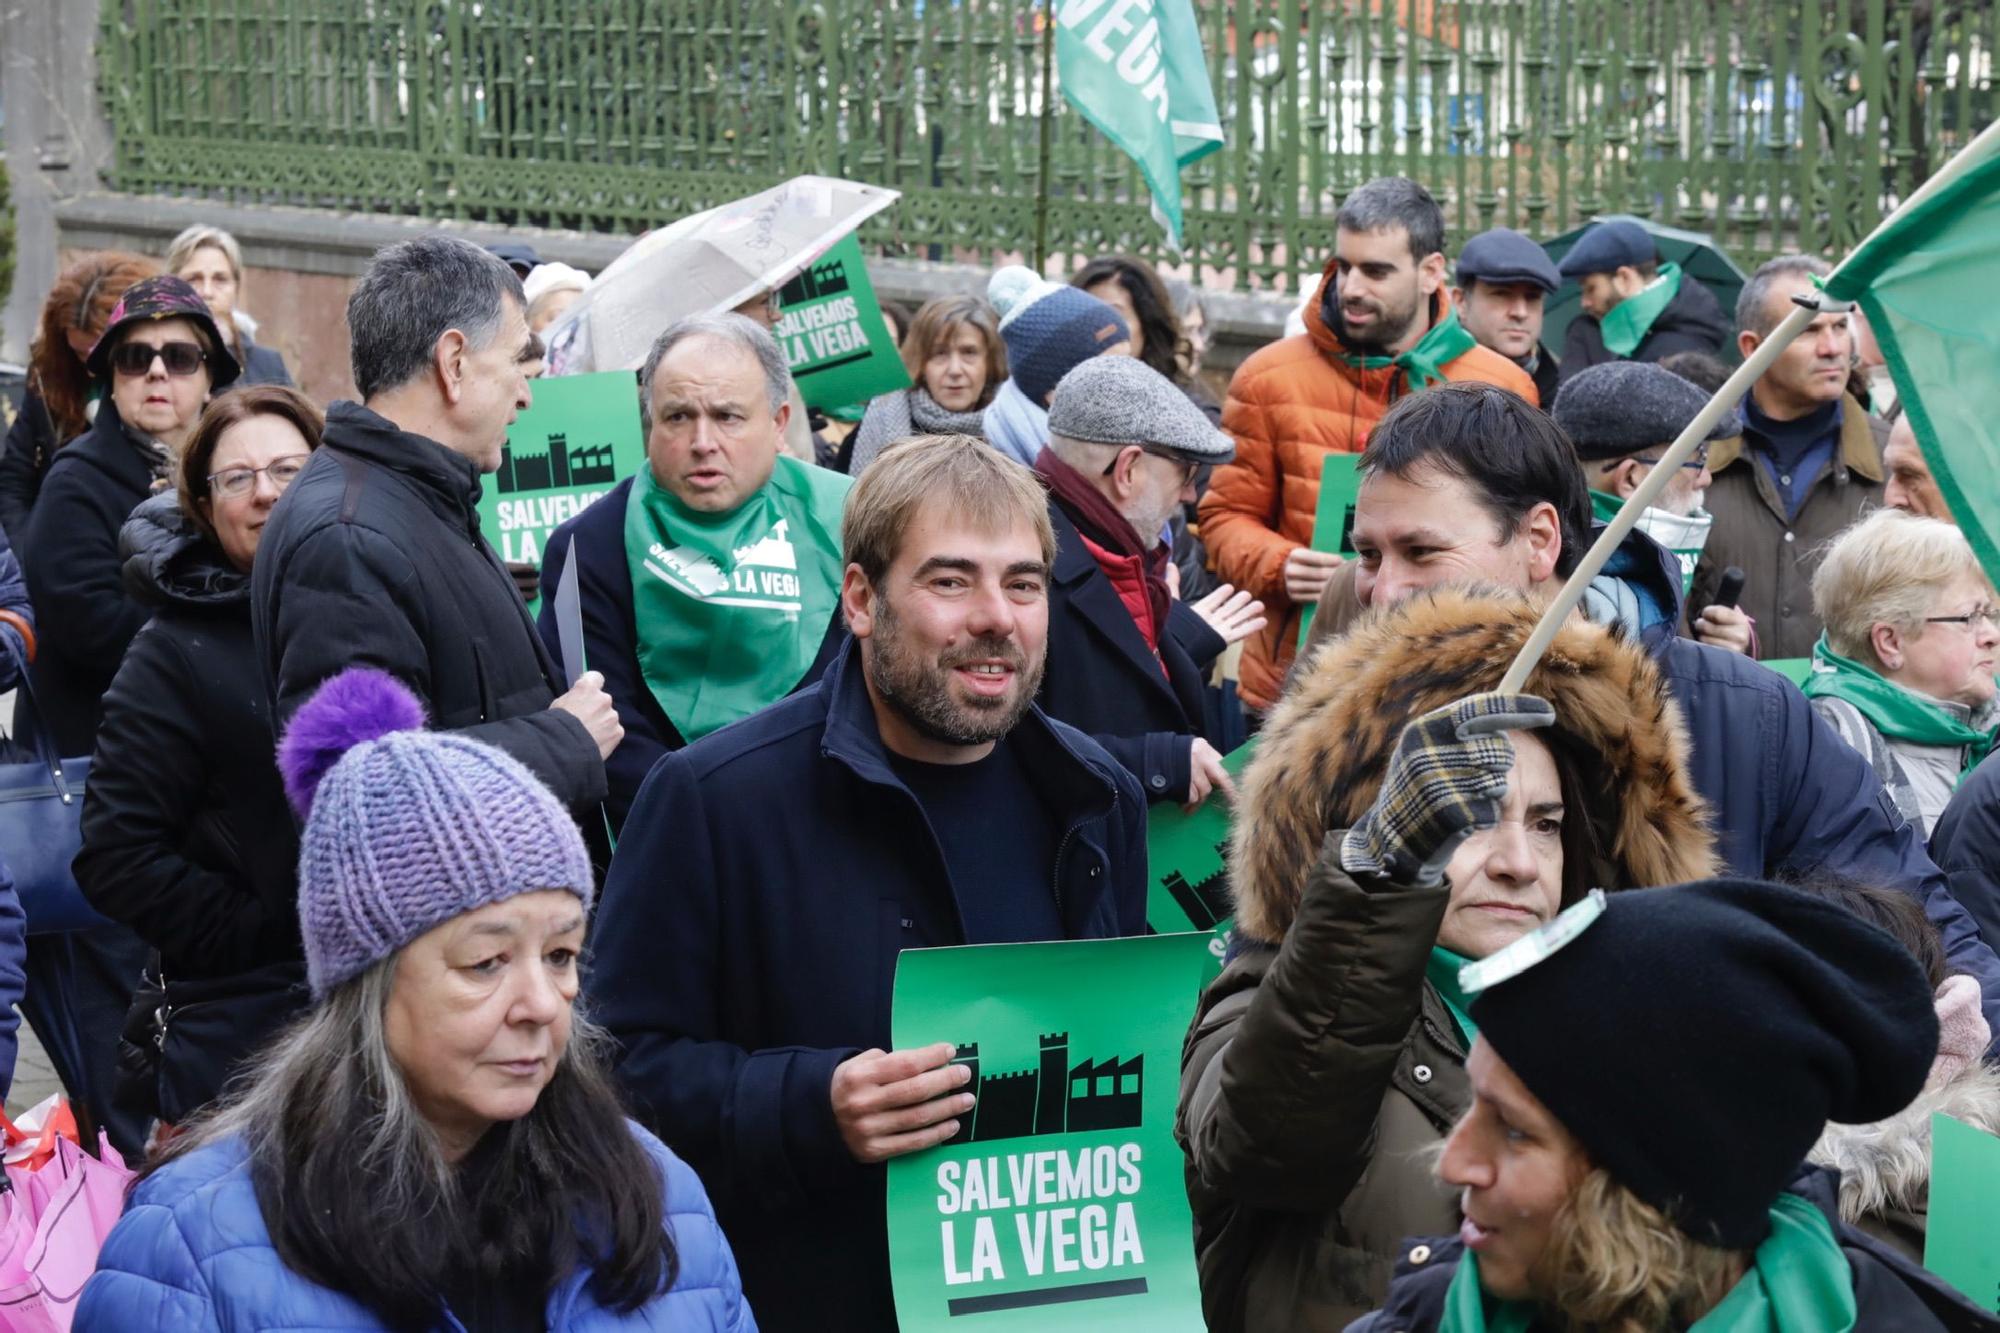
1696 1039
1621 407
1502 255
1608 247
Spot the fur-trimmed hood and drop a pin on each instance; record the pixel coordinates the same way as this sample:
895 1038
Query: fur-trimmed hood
1326 745
1886 1166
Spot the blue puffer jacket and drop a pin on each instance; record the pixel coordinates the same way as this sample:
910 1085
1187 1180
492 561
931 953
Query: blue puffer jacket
192 1254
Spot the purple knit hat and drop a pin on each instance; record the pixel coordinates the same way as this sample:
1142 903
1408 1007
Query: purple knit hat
407 828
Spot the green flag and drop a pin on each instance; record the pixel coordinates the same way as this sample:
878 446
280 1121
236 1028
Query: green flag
1134 69
1927 280
1061 1202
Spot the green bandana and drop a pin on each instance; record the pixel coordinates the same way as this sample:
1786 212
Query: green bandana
1891 709
1799 1282
730 608
1442 972
1624 326
1424 364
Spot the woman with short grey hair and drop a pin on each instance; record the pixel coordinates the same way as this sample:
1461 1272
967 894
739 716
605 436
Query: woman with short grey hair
1904 671
209 260
436 1144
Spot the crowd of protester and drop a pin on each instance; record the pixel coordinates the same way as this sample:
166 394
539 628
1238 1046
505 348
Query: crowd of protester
465 967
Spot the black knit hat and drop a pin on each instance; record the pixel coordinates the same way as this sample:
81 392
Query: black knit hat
1696 1039
164 297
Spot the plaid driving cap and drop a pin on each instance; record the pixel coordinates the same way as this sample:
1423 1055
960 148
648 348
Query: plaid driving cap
1122 400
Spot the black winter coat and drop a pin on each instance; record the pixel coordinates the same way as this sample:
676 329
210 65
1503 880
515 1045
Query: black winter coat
1105 682
745 946
31 447
611 641
261 365
1965 843
83 615
374 558
186 835
1891 1294
1692 322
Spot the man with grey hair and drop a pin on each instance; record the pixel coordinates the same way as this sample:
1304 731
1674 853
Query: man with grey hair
1127 658
1807 465
708 584
374 556
1380 327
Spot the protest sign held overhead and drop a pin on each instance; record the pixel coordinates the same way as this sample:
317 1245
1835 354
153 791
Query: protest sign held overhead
833 335
1060 1203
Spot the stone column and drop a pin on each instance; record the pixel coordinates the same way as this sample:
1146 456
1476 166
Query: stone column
57 143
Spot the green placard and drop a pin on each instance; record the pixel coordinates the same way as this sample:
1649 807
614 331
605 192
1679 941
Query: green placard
833 333
1965 1211
1187 884
1060 1205
581 437
1794 669
1333 521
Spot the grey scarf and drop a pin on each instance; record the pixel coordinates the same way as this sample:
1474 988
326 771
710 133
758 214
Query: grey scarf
902 413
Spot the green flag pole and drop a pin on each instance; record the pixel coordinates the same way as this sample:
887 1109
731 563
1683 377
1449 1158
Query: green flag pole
1042 173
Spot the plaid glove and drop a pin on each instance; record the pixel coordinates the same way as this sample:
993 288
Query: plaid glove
1445 781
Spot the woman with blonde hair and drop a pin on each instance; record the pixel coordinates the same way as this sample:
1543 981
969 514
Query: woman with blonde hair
1904 669
209 260
1650 1071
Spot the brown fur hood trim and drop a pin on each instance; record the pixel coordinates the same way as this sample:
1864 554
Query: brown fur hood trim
1324 749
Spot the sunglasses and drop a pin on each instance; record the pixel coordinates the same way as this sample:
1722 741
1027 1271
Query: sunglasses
136 358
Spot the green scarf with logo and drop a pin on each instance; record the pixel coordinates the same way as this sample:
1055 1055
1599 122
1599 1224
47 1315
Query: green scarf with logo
1442 972
1898 713
1423 365
1625 325
1798 1282
1684 536
730 608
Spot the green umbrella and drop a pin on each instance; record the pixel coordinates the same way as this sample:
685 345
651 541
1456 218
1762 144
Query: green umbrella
1694 251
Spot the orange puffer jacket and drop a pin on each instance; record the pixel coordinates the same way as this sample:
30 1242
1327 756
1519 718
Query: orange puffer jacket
1291 404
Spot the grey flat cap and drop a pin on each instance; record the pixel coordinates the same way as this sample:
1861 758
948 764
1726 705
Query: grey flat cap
1122 400
1622 407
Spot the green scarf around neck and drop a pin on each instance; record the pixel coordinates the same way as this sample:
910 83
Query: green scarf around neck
1423 365
1798 1282
1892 710
730 608
1442 972
1626 324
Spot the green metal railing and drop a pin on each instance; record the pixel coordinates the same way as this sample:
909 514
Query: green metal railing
1774 125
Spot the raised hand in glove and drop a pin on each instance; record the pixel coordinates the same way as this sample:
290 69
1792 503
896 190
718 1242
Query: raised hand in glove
1445 781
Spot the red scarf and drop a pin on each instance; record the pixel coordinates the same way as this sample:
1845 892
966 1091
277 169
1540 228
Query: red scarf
1137 568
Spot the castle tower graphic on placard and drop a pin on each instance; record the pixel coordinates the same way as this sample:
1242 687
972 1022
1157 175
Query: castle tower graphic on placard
1206 902
556 467
815 284
1054 1097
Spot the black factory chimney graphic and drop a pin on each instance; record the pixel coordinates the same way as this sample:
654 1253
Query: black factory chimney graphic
1053 1098
557 466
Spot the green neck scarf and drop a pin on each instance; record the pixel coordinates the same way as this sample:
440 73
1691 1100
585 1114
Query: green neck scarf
1424 364
1891 709
1442 972
1798 1282
730 608
1625 325
1684 536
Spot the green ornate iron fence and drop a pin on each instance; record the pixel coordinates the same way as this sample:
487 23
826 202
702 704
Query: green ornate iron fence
1771 123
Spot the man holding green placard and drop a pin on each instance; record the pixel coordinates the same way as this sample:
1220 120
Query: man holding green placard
709 584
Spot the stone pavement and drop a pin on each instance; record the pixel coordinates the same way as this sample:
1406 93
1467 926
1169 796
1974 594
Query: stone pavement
34 1077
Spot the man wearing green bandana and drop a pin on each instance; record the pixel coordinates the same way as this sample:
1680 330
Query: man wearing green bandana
1635 308
1381 327
708 584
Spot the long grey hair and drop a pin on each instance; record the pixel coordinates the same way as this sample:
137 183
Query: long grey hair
358 1196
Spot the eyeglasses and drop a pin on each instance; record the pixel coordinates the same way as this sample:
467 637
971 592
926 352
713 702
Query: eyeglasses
232 482
1188 470
1987 615
136 358
1694 462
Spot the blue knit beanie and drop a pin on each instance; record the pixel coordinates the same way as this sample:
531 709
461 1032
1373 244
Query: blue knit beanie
1049 329
407 828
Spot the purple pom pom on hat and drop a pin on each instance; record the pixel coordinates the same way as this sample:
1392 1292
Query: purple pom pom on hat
407 828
